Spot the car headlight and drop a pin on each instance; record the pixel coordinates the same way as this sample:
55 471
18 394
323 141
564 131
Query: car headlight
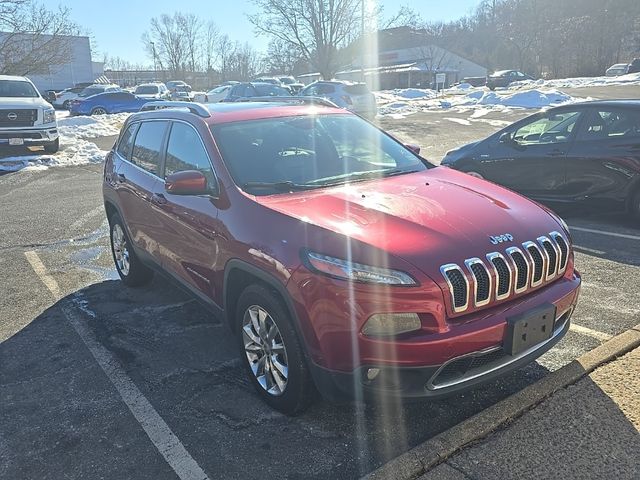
49 116
346 270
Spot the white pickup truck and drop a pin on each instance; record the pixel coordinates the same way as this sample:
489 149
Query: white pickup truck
26 119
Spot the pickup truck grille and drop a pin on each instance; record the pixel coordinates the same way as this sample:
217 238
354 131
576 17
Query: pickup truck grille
505 274
18 117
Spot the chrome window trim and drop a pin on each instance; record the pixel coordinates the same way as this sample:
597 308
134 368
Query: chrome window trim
468 263
490 257
554 235
509 252
443 270
508 359
526 246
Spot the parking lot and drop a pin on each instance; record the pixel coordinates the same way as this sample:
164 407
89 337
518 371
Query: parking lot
102 381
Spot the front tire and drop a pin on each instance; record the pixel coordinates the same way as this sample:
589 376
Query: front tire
131 270
270 351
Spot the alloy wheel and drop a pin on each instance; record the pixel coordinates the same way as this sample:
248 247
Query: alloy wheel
99 111
265 350
120 249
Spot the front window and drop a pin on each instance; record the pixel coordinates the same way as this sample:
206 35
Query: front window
552 128
298 153
146 90
17 89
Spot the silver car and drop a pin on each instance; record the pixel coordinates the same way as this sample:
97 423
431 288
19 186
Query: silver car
355 97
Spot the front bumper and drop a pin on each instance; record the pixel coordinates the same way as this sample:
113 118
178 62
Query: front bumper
457 375
29 136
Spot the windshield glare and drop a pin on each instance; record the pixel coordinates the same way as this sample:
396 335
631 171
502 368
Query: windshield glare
17 89
311 151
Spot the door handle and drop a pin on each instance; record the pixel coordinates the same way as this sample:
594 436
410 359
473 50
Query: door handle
158 199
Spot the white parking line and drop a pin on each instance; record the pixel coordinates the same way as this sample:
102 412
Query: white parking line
86 217
603 337
602 232
167 443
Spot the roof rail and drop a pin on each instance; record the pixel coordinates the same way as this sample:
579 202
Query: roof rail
290 99
193 107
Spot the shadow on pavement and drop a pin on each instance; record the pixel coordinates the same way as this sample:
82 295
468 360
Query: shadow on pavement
63 418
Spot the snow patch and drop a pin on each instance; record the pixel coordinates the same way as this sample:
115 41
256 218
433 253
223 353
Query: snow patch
73 151
92 127
461 121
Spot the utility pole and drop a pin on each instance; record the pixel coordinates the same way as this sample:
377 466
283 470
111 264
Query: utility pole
362 42
155 65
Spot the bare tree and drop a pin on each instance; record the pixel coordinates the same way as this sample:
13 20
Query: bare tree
210 53
166 41
282 57
319 28
33 39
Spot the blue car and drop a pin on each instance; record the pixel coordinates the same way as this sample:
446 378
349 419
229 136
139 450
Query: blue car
108 102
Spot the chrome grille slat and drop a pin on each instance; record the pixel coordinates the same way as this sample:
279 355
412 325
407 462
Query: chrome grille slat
519 269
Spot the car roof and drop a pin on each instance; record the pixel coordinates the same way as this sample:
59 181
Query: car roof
338 82
14 78
630 102
243 111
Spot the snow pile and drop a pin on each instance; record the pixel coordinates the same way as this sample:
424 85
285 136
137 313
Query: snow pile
73 151
91 127
629 79
393 104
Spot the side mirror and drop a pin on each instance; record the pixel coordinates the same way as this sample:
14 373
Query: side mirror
413 147
506 137
187 182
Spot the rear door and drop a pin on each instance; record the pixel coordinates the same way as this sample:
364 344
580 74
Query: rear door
605 159
189 223
532 159
140 152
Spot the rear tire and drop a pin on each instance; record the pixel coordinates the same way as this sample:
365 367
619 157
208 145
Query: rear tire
52 147
99 111
271 353
131 270
66 105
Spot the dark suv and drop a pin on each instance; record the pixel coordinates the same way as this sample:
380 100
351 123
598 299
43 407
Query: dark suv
341 259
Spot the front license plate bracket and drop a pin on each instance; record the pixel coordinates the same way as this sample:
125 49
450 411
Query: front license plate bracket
529 328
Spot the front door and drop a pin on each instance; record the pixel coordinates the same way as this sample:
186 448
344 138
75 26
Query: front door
531 158
189 246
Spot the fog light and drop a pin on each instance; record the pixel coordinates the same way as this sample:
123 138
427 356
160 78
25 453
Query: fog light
372 373
382 324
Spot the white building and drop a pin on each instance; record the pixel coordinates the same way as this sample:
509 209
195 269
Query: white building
79 68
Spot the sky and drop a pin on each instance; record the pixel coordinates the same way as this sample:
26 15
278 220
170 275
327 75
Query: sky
117 25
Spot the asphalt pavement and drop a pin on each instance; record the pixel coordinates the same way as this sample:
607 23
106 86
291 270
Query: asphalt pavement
101 381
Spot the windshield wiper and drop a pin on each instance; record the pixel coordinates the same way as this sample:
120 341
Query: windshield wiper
283 186
366 175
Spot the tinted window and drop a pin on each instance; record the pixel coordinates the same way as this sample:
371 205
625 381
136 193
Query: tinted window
612 123
120 96
126 141
185 151
551 128
147 90
359 89
271 90
324 89
148 145
313 150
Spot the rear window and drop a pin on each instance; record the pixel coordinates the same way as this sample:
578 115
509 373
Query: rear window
17 89
148 145
270 91
126 142
147 90
359 89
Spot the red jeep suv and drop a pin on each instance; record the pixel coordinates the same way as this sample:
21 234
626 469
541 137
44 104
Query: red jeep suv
342 260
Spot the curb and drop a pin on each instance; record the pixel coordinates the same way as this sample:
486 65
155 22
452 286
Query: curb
420 459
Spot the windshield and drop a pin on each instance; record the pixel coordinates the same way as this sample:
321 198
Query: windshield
146 90
270 91
17 89
309 152
358 89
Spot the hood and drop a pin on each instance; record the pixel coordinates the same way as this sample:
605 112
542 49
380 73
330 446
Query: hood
33 102
428 218
457 153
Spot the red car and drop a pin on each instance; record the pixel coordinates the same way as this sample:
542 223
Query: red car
343 261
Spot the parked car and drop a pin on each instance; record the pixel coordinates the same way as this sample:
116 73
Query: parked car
241 91
339 257
617 70
475 81
25 117
215 94
96 89
108 102
504 78
585 152
64 97
634 66
152 90
355 97
291 83
182 93
173 84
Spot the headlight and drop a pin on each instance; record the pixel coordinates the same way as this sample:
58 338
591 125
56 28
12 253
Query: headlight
336 267
49 116
384 324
